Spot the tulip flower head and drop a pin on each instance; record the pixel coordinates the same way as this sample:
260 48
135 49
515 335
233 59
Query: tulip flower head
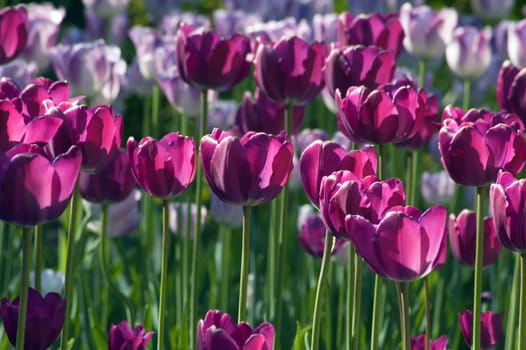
517 43
312 236
511 87
490 330
13 32
468 54
419 343
122 336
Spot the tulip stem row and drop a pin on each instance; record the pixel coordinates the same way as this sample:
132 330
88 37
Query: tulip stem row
428 313
522 308
466 100
225 266
38 258
24 285
403 300
478 269
512 316
351 291
325 263
245 258
357 299
164 273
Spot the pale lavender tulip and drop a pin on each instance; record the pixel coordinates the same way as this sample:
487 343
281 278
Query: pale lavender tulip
273 31
172 20
468 55
308 136
221 114
517 43
325 27
225 213
146 40
229 22
21 71
437 187
492 9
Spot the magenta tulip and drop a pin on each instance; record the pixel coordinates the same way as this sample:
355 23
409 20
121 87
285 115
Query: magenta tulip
490 331
312 236
290 70
207 61
43 94
33 187
323 158
13 32
163 168
419 343
475 145
428 128
219 331
358 65
511 89
462 238
405 245
123 337
393 113
44 319
250 170
12 125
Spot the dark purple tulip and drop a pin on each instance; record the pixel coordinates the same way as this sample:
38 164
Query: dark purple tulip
312 236
9 88
343 193
163 168
290 71
429 127
12 125
375 29
44 319
113 183
490 330
264 115
393 113
250 170
43 94
123 337
405 244
358 65
462 238
419 343
511 89
34 188
475 145
321 159
13 32
507 208
219 331
207 61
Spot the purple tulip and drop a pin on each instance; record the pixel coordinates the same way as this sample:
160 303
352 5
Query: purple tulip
12 125
21 71
264 115
375 29
207 61
419 343
307 136
290 70
343 193
490 330
41 96
517 43
462 238
34 188
325 27
145 40
475 145
250 170
358 65
172 20
123 337
437 187
321 159
113 183
405 244
44 319
468 54
163 168
219 331
393 113
13 32
511 89
312 236
114 30
427 32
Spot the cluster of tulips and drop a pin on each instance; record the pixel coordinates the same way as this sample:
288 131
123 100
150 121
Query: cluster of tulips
61 139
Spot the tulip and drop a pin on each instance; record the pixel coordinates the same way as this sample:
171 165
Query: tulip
391 114
312 236
511 88
264 115
44 319
475 145
325 27
21 71
491 328
429 126
517 43
358 65
468 54
12 125
462 238
250 170
225 213
209 62
290 70
113 183
34 188
13 32
375 29
218 331
405 244
418 343
145 41
227 23
163 168
122 336
222 114
308 136
273 31
323 158
42 95
427 32
438 187
171 20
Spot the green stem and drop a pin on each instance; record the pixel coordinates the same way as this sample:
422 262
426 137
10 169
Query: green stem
325 262
375 324
225 266
381 161
272 258
197 227
24 285
340 307
155 110
422 74
467 94
522 303
351 291
245 256
428 313
478 269
409 177
512 314
38 258
164 272
357 299
69 276
105 263
415 158
404 314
